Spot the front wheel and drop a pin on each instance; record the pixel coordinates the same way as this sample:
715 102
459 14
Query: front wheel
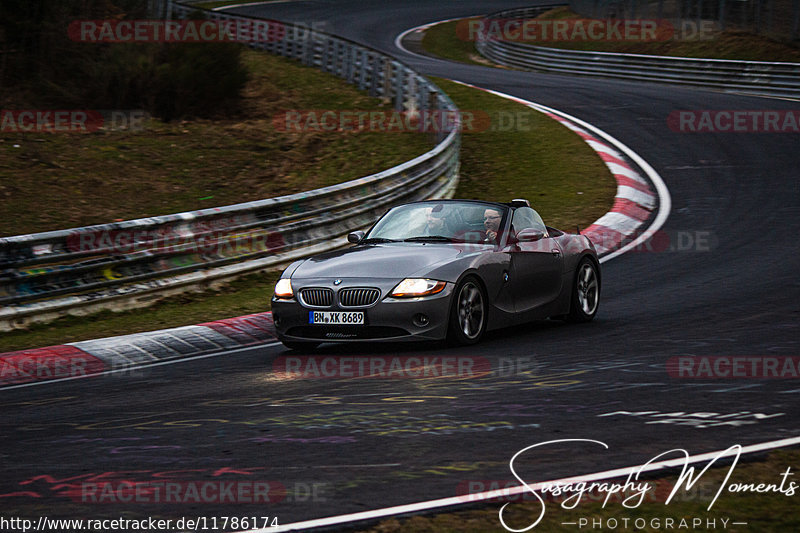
468 313
585 293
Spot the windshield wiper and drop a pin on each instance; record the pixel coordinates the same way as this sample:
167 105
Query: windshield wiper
429 238
376 240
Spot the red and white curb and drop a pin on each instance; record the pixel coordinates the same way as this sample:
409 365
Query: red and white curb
118 354
634 200
637 197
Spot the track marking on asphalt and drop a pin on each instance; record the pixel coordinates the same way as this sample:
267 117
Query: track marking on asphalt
139 367
506 492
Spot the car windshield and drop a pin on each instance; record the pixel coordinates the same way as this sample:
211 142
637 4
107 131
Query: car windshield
440 222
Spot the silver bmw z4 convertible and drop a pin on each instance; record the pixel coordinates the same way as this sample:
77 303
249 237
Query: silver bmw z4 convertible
435 270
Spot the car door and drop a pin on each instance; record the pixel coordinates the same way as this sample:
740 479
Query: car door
536 266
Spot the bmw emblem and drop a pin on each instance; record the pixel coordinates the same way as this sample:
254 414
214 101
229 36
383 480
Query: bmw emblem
337 282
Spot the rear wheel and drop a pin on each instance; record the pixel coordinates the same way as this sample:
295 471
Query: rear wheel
585 293
468 313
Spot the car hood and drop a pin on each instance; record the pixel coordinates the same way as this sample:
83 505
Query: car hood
377 261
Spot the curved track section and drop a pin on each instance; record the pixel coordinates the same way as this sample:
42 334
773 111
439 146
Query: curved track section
719 280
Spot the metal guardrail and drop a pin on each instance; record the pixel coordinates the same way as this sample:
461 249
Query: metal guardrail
774 18
50 274
753 77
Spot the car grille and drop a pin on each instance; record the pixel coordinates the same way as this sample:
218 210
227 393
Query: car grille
358 297
317 297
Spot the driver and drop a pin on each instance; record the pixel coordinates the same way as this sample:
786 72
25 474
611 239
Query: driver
434 222
491 221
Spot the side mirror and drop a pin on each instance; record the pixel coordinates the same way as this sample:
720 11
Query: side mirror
355 237
530 235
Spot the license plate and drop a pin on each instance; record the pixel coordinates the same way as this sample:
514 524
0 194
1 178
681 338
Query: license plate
336 317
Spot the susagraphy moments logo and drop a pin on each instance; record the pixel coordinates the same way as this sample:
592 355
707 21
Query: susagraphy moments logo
632 493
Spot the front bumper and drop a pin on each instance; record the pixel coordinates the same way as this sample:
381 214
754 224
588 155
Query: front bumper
388 320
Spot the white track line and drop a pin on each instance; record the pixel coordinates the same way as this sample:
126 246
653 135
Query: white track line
488 495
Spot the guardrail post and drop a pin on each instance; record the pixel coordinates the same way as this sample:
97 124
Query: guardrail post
325 53
375 69
349 64
388 81
299 48
338 58
310 53
410 103
363 59
398 86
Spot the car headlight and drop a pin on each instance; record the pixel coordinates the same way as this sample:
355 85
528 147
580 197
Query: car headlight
412 288
283 289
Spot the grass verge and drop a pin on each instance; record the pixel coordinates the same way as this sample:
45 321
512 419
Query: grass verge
91 178
443 40
523 154
763 512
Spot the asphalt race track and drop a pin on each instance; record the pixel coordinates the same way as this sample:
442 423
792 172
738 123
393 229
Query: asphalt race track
728 287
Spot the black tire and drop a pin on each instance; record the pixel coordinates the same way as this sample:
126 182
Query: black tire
585 299
300 346
468 313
